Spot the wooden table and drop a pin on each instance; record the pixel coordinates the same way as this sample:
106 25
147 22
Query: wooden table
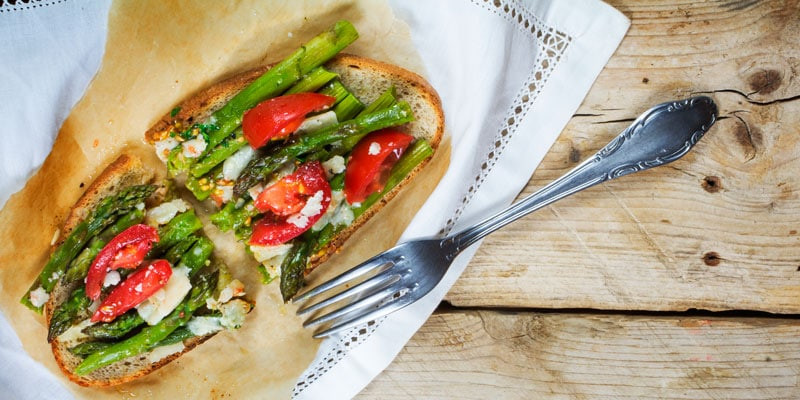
679 282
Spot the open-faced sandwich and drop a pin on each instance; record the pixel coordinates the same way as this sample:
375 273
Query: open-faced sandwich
134 284
299 154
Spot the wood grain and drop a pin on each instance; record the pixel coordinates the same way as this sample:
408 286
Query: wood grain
487 354
715 230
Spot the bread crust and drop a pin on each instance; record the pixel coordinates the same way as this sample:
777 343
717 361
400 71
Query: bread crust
409 85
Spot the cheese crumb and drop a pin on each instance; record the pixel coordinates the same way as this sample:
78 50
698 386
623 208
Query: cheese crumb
164 147
313 207
164 212
39 296
264 253
374 149
255 191
201 326
56 234
161 352
333 166
112 278
235 164
195 147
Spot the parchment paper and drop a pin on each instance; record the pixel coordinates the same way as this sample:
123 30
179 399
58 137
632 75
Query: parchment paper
157 54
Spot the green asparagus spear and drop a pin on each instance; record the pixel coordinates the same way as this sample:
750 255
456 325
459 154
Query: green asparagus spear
230 217
203 186
66 314
86 348
196 257
80 265
149 336
293 269
335 89
177 229
106 212
219 154
312 81
282 76
418 152
260 168
115 329
387 99
348 108
175 253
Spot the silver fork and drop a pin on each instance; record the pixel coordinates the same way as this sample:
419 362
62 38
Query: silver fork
407 272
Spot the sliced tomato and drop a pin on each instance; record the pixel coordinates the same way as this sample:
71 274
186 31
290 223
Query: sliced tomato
126 250
371 162
278 117
289 207
135 289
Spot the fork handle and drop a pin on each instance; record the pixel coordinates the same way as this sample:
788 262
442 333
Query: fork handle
661 135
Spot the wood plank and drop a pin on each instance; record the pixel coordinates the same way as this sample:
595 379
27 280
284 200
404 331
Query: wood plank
487 354
715 230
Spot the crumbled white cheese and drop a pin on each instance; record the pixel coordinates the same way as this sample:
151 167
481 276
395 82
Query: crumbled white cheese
56 234
140 206
264 253
343 216
335 165
234 288
54 276
164 212
74 334
374 148
336 200
313 207
94 306
201 326
289 34
39 297
161 352
255 191
317 122
233 313
163 147
138 288
223 193
235 164
163 301
112 278
193 148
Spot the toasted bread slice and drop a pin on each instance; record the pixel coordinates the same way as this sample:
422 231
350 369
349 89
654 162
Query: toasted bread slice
367 79
126 171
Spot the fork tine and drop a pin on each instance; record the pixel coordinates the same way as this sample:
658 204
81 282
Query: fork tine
382 279
360 303
348 275
367 315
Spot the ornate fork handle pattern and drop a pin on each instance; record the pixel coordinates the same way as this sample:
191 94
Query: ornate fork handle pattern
659 136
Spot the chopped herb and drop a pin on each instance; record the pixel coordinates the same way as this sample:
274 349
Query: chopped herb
174 111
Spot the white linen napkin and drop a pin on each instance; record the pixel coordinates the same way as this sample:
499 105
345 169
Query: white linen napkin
510 76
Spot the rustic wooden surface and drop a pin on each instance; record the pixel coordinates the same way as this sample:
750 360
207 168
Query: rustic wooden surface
717 230
494 355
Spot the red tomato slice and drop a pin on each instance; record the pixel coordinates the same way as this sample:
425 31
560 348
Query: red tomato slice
125 250
278 117
288 198
135 289
371 161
